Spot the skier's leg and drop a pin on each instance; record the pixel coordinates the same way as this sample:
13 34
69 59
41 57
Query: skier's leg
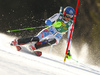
43 43
46 32
42 34
58 36
22 41
52 40
27 40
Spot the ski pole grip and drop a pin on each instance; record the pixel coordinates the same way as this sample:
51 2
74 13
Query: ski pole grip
60 9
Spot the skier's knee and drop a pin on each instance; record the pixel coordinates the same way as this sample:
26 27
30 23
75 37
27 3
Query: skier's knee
52 41
35 39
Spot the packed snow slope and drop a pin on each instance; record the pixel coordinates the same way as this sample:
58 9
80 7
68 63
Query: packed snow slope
23 62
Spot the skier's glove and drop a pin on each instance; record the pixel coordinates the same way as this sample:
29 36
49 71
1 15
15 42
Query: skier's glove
69 55
48 22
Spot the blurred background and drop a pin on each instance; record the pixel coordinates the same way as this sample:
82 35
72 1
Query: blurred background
17 14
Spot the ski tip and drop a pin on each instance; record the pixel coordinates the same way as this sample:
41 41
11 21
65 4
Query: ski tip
18 48
38 53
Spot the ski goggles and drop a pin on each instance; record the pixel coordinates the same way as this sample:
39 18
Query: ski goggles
69 16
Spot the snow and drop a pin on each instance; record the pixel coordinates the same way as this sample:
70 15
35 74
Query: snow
14 62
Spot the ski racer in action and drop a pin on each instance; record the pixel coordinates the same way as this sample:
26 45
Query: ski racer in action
51 35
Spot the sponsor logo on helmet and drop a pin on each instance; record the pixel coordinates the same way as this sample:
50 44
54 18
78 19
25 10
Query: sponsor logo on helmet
71 12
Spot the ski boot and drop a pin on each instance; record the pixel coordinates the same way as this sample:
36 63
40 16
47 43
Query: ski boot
14 43
69 55
32 47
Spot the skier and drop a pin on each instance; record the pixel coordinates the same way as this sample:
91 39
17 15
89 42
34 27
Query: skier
51 35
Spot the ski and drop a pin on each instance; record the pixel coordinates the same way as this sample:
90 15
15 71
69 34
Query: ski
37 53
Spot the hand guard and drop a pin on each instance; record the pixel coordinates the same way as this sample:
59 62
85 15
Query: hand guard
48 22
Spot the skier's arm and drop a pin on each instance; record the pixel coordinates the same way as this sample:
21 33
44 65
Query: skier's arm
53 18
68 35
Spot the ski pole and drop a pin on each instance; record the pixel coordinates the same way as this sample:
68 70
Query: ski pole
56 24
74 60
25 29
61 8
